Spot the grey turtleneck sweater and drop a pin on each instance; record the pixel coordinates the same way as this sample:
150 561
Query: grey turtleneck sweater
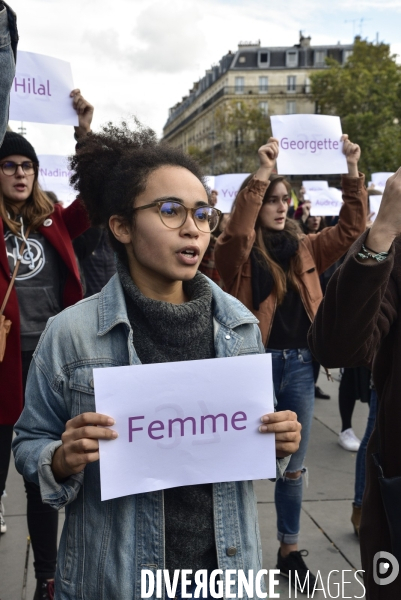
165 332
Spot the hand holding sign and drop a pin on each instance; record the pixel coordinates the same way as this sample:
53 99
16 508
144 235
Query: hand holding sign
84 112
267 158
352 153
287 430
387 225
81 443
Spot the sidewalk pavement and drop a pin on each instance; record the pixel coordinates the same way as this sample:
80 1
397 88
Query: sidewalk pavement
326 531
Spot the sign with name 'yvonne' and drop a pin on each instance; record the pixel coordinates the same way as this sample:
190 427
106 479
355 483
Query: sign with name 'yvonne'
185 423
227 187
325 203
54 176
309 144
41 90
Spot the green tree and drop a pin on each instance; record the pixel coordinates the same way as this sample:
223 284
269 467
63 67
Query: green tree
366 94
240 128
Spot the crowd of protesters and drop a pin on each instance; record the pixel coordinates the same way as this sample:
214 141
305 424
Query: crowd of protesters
134 248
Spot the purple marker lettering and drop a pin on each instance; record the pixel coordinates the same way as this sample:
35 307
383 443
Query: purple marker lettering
131 429
214 419
335 145
235 418
300 145
48 88
284 143
182 424
320 145
293 145
155 426
42 90
16 85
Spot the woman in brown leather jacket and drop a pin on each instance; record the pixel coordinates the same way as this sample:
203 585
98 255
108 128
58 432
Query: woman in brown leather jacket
273 268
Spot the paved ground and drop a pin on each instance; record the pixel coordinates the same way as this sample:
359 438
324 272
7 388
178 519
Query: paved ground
326 530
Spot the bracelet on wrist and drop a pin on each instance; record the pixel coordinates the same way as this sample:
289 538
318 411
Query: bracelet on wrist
367 253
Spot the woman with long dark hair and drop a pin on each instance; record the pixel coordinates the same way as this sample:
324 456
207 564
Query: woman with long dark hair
37 233
273 268
157 308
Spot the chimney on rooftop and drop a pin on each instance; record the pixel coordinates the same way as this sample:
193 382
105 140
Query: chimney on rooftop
304 42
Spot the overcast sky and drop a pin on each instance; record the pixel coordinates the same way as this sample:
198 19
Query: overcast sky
141 56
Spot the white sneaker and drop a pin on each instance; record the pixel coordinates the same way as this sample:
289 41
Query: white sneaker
3 526
348 440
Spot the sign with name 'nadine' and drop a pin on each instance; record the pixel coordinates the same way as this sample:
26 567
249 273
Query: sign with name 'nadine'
309 144
54 176
41 90
185 423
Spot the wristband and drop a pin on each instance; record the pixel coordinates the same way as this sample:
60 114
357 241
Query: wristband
377 256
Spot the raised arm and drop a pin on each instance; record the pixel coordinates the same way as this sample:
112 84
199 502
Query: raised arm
361 301
75 216
233 247
333 242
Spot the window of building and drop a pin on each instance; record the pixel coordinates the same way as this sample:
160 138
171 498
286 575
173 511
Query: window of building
239 85
264 108
291 83
320 56
242 59
264 59
263 84
346 55
292 58
308 86
291 107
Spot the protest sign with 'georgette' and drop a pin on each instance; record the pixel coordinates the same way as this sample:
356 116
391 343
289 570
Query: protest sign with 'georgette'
309 144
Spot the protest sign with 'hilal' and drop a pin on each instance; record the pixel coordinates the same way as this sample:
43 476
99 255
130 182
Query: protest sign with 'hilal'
41 90
309 144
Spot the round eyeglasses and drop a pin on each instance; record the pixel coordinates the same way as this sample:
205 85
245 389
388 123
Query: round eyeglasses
9 167
173 215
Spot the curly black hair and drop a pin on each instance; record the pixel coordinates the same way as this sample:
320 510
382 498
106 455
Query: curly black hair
111 168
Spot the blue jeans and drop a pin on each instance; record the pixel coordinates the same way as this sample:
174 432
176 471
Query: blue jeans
294 387
7 63
360 468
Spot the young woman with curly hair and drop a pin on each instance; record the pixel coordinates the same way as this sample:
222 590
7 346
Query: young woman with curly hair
273 268
47 281
157 308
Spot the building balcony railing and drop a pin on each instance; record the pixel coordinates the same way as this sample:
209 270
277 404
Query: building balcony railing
271 90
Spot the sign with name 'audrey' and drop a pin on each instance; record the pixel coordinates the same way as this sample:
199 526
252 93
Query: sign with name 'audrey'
41 90
185 423
309 144
325 203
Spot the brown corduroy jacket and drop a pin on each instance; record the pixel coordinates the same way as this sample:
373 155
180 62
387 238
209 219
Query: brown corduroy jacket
318 251
358 323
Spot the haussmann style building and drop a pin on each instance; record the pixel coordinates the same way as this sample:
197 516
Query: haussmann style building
275 80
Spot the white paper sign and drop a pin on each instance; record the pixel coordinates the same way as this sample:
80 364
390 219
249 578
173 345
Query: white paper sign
227 187
380 179
314 186
184 423
54 175
41 90
374 205
309 144
326 202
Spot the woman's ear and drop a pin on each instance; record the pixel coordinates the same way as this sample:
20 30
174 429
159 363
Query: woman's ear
120 229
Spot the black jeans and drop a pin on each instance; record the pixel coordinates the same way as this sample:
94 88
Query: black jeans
42 518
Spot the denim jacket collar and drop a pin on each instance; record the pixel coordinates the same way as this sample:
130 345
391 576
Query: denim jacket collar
227 311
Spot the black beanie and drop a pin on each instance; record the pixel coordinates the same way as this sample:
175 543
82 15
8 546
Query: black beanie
14 143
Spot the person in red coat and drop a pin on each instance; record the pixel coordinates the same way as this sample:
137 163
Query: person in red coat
47 282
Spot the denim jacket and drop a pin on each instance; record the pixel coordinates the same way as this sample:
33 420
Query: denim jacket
104 545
